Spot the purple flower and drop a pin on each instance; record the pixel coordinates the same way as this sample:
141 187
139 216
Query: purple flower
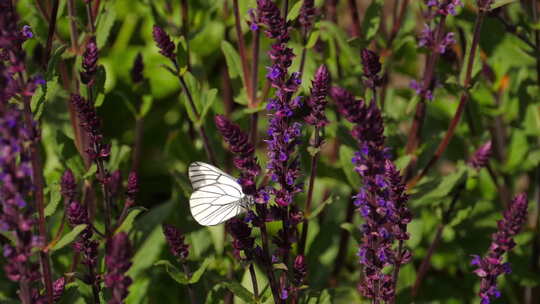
164 43
268 14
481 156
132 188
91 124
444 7
242 239
118 262
299 270
317 100
382 199
484 4
90 58
417 87
429 40
58 288
137 69
27 32
307 15
492 266
245 159
372 67
176 242
68 185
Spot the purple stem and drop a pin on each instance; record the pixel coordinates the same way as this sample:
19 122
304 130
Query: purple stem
307 211
74 35
90 16
191 293
50 37
254 85
185 29
254 281
242 51
462 103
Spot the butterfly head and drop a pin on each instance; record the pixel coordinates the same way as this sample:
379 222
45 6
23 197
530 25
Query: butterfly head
247 201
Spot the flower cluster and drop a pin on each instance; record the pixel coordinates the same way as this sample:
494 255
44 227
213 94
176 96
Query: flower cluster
90 58
132 189
16 211
307 15
372 67
164 43
90 122
428 39
245 159
317 100
381 200
118 262
491 266
137 69
444 7
242 239
481 156
176 241
78 215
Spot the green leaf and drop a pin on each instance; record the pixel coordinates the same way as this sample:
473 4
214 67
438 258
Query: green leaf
105 23
208 101
499 3
434 192
68 238
173 272
99 87
372 19
352 229
240 291
294 11
517 151
345 158
194 89
146 105
196 276
127 224
52 64
313 38
182 54
91 171
9 235
280 266
234 63
321 207
54 199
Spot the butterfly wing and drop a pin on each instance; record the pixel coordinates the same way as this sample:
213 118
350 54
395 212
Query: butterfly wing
216 197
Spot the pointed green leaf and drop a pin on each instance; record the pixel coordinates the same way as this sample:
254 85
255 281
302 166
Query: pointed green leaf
372 19
173 272
68 238
234 62
127 224
294 11
240 291
196 276
54 199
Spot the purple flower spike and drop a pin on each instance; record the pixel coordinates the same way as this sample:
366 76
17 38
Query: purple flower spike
242 239
118 262
176 242
307 15
492 265
245 159
372 67
381 201
68 185
27 32
317 100
137 69
481 156
299 270
90 58
58 288
132 187
164 43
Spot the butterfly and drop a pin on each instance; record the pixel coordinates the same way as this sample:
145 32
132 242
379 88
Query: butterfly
217 196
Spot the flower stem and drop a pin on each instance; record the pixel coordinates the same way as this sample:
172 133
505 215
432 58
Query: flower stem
202 132
355 18
185 29
90 16
425 264
254 281
74 35
137 148
50 36
415 133
37 177
267 259
462 103
242 51
188 286
307 211
254 85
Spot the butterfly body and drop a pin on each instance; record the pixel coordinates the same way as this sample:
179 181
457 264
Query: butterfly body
217 196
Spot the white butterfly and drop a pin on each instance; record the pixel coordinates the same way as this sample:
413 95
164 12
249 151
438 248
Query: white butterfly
217 196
